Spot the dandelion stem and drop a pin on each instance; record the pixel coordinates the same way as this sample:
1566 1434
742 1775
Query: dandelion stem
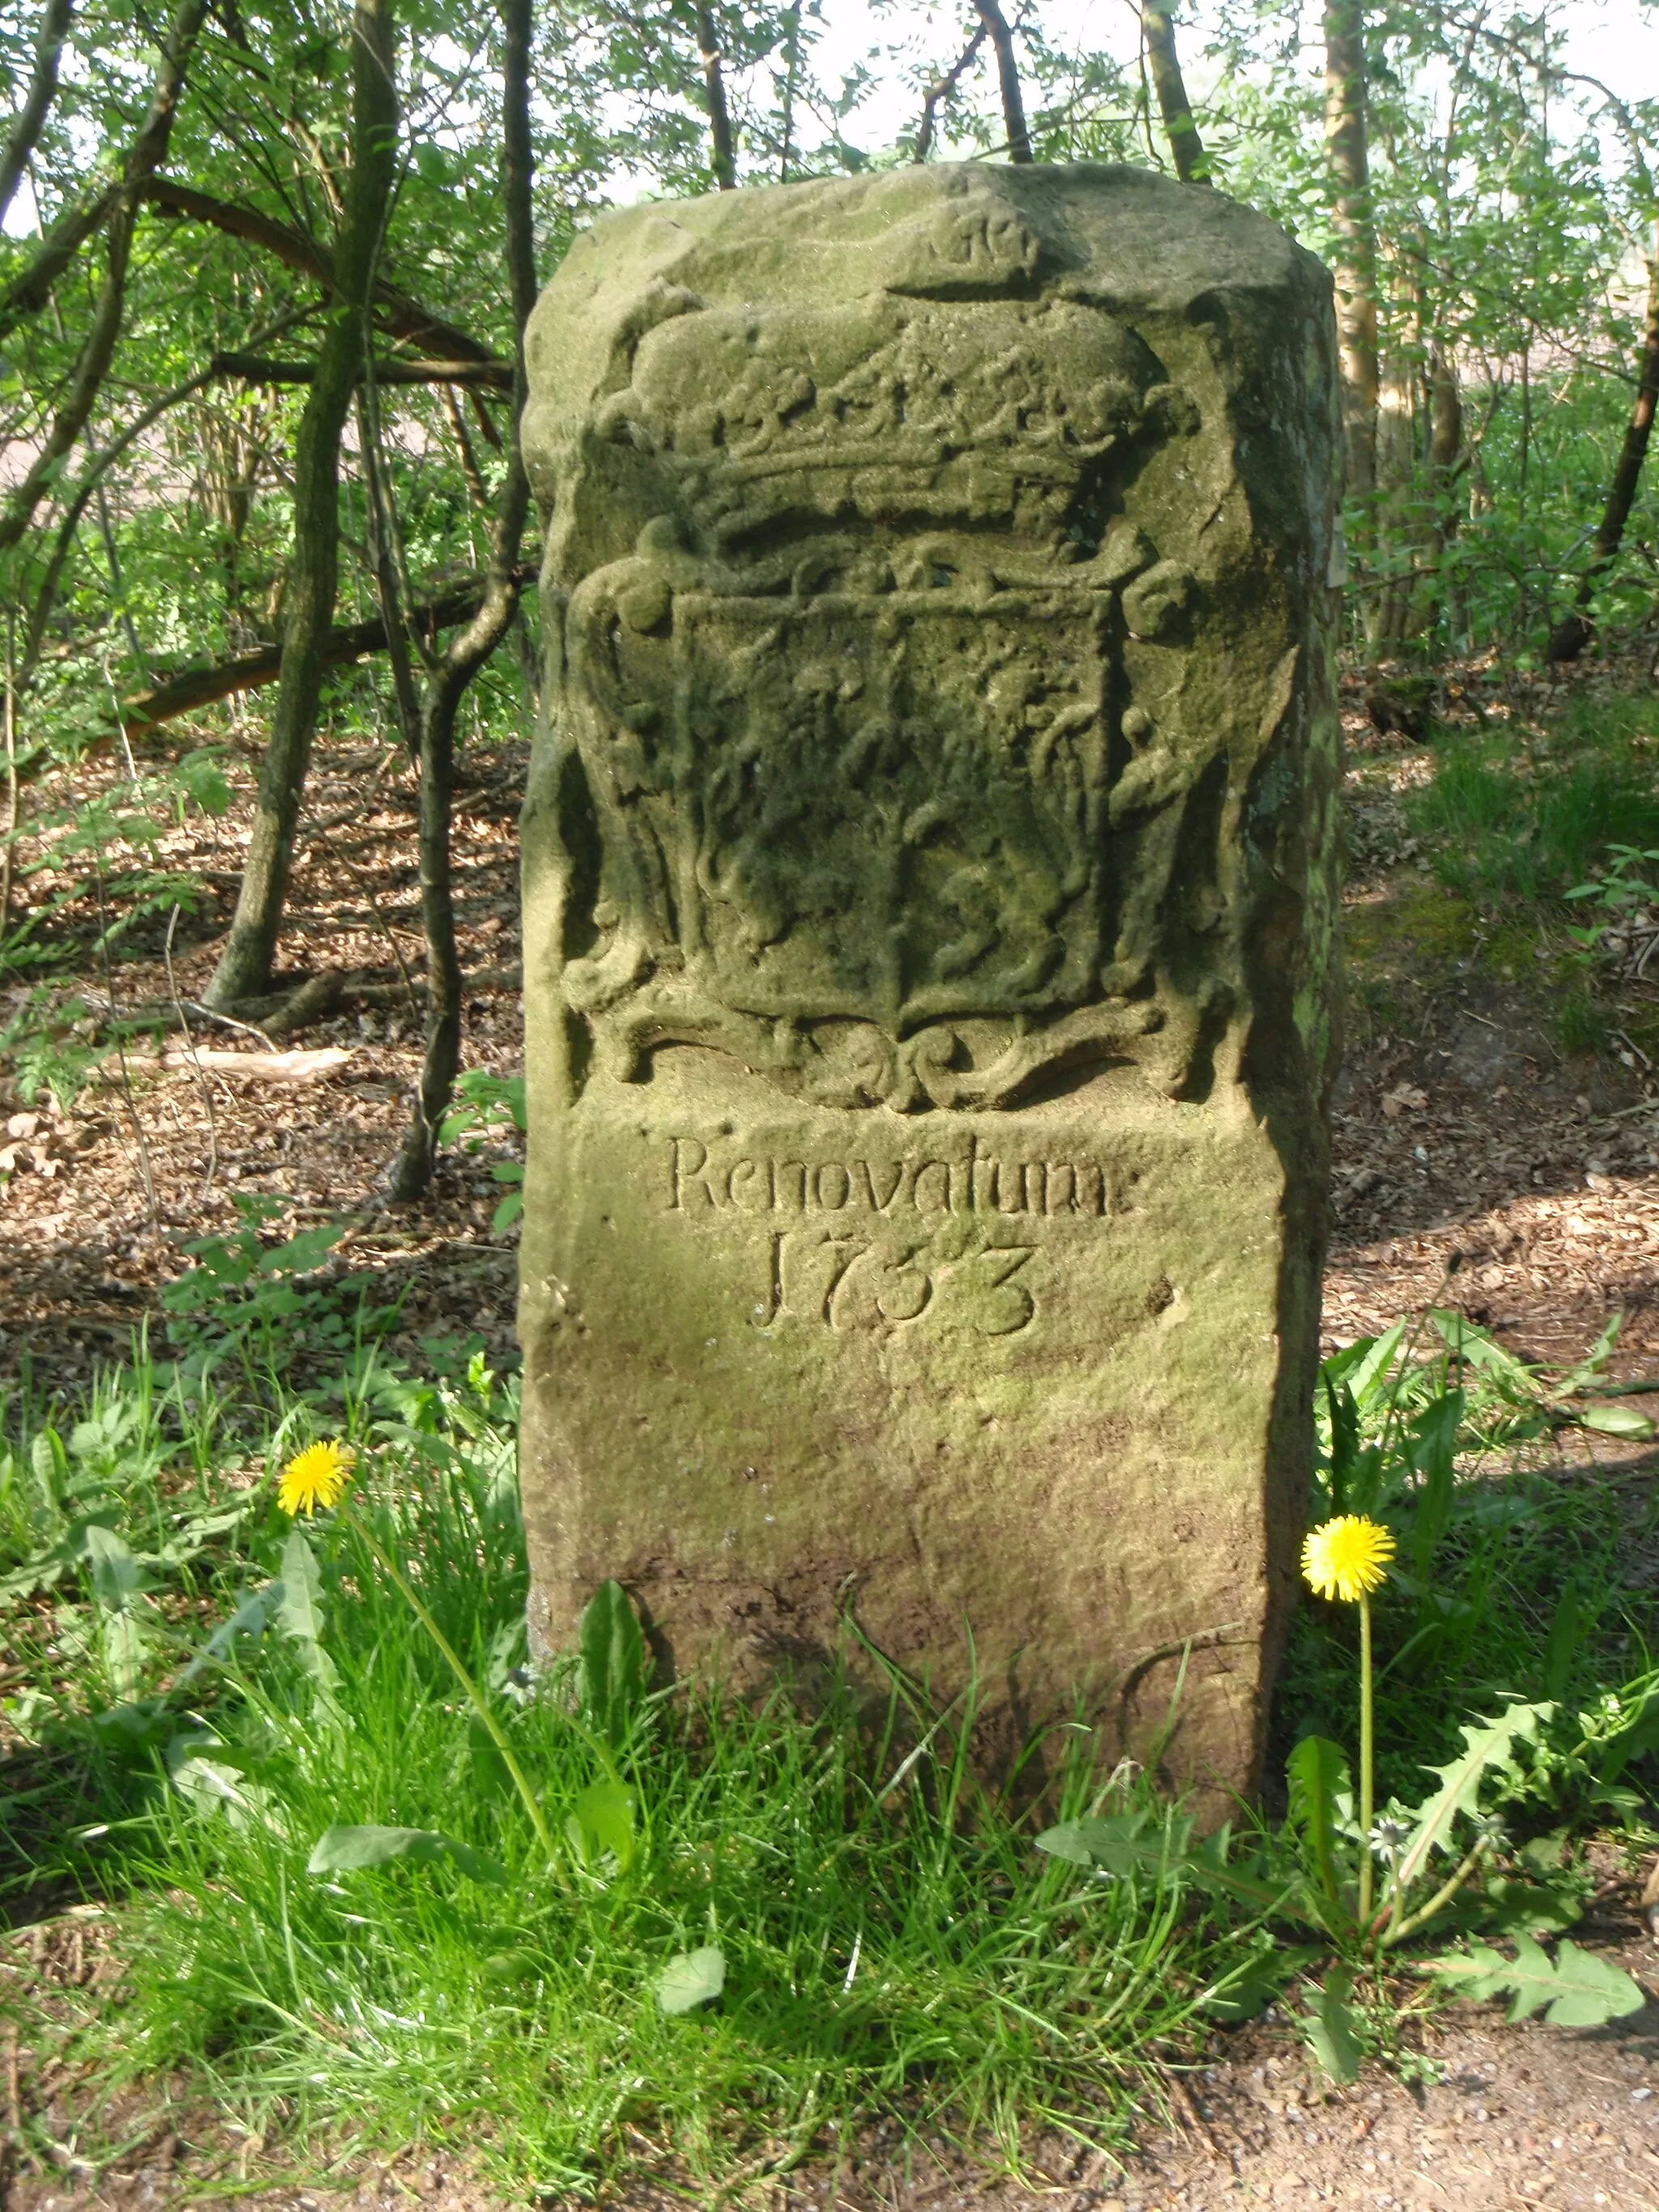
1366 1791
520 1780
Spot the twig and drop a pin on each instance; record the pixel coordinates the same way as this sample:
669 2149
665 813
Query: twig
202 1084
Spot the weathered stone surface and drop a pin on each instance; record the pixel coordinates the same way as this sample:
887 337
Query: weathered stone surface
928 912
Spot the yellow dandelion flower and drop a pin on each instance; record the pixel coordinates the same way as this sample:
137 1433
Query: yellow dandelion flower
1347 1558
317 1476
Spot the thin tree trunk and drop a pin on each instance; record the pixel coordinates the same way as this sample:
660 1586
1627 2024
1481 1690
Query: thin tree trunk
99 349
1013 105
1348 162
37 104
244 969
1157 28
1440 596
1572 635
32 288
412 1170
382 553
720 115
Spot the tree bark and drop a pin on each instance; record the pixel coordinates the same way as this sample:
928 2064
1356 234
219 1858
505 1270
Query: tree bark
31 288
1573 633
720 115
1013 105
1157 28
467 653
1348 164
244 968
25 132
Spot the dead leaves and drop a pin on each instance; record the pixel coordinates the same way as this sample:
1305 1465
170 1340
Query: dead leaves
1404 1098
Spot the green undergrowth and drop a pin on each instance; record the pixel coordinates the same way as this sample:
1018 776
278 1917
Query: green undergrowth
735 1932
1517 822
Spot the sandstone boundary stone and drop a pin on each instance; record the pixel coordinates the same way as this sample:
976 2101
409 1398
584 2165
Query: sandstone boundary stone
929 890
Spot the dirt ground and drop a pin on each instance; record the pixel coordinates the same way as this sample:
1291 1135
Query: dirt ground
1459 1130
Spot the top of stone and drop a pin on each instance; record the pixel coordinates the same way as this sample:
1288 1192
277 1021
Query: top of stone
1121 239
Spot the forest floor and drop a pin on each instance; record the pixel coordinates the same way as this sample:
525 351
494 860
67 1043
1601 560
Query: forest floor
1479 1163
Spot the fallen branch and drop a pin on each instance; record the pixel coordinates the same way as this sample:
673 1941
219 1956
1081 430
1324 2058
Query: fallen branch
297 1066
200 687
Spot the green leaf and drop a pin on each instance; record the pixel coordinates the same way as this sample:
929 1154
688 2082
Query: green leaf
1246 1992
347 1849
1562 1648
117 1577
1639 1735
1121 1843
1486 1744
1433 1450
1617 1420
1578 1990
601 1820
613 1662
691 1978
489 1769
1330 2030
1318 1774
300 1613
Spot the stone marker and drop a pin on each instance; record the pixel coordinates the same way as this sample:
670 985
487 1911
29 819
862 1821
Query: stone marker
929 900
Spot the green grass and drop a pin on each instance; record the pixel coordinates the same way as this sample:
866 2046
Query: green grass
895 1945
1514 819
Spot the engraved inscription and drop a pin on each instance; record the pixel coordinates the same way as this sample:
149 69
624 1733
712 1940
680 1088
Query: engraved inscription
954 1237
702 1184
861 1283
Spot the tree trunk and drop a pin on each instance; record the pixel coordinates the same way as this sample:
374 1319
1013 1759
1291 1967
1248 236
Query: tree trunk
1348 164
244 969
1013 106
720 115
37 104
412 1170
1157 28
1572 635
1440 597
30 290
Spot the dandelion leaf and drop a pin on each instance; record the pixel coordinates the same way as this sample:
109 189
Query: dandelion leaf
613 1662
1330 2030
1487 1745
1576 1989
343 1850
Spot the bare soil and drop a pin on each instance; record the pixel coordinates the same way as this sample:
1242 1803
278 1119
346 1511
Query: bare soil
1476 1166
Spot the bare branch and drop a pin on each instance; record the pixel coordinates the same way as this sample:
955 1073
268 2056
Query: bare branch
940 90
37 105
